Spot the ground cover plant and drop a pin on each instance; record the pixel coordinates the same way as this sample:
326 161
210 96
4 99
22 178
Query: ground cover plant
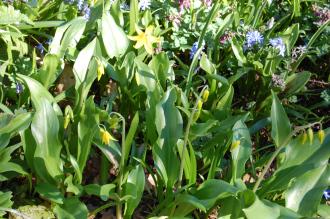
164 109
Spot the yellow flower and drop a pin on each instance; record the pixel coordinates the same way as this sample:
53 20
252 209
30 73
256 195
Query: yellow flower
106 136
100 70
145 39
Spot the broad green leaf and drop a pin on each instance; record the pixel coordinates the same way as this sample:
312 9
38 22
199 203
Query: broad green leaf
67 36
259 210
296 81
49 71
87 128
160 64
299 159
39 93
243 151
11 16
224 104
305 192
169 126
204 198
71 187
290 36
103 191
82 62
323 210
5 201
114 38
238 51
137 178
145 76
281 127
50 192
71 209
45 129
11 124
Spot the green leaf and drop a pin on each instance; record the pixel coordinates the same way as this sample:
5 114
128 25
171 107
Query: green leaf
304 194
160 64
71 209
169 126
238 51
137 178
296 81
71 187
224 105
49 71
204 198
131 134
103 191
243 151
145 76
82 62
67 36
299 159
87 127
50 192
5 201
133 15
45 129
114 38
281 127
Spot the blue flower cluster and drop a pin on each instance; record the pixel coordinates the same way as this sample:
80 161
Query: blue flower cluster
82 6
144 4
254 38
277 43
194 49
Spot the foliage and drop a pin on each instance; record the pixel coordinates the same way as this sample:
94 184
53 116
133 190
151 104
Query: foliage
187 108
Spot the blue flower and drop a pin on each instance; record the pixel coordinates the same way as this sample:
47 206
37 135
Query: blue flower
40 48
144 4
86 11
253 38
277 43
194 49
19 88
80 4
326 194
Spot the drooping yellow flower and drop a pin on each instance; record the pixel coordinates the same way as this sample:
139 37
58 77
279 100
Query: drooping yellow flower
310 135
145 39
106 136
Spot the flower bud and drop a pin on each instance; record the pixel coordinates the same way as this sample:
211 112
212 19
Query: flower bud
205 95
66 121
321 135
310 135
199 105
303 138
100 70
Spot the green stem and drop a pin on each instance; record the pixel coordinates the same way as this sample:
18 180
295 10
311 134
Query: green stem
121 166
185 141
103 207
200 42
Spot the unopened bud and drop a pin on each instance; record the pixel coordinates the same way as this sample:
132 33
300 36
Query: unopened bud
321 135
